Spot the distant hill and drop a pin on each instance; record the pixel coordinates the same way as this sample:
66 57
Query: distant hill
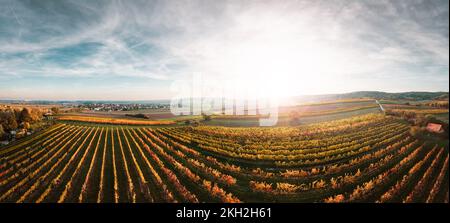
414 96
397 96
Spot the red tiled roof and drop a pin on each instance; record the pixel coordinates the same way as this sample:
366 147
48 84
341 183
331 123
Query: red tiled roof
433 127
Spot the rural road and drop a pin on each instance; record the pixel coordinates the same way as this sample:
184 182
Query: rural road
381 106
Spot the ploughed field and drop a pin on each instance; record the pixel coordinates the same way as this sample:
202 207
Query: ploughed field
370 158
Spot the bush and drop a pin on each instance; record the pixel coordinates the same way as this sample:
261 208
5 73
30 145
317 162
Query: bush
26 125
195 123
192 123
206 117
417 132
143 116
421 120
55 110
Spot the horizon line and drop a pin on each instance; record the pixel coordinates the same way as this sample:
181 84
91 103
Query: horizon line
284 97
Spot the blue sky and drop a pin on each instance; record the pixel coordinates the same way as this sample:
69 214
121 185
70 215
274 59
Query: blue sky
132 50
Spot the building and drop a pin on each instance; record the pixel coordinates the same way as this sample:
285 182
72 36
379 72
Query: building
436 128
48 116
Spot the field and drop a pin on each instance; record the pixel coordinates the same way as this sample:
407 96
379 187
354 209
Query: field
153 114
441 114
307 113
443 117
367 158
118 121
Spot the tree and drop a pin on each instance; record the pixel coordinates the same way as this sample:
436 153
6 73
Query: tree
55 110
8 120
206 117
2 131
421 120
17 114
416 131
26 115
192 122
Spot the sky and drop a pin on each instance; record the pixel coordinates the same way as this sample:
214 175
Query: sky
136 50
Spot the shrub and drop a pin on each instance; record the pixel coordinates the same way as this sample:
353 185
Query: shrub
417 131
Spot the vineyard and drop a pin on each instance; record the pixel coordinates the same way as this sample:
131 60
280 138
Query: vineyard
370 158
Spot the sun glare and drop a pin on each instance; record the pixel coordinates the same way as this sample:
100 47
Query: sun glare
277 61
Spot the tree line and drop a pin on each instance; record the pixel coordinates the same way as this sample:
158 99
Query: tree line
15 118
419 122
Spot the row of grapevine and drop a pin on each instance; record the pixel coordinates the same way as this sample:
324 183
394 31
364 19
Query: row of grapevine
365 159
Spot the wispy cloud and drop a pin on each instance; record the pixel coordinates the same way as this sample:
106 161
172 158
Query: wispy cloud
165 40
